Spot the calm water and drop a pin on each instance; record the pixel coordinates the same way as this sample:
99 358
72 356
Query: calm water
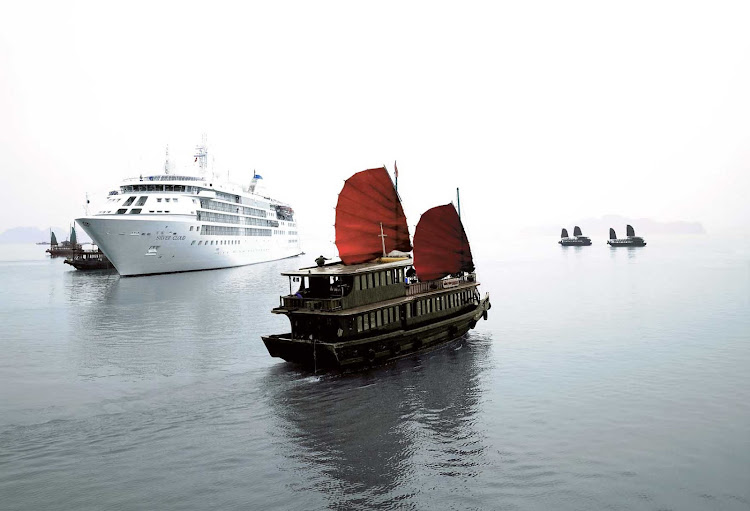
604 379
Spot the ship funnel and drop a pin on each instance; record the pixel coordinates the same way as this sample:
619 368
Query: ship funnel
577 231
612 234
631 231
564 233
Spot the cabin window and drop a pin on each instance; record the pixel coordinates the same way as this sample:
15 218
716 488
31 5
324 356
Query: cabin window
389 277
121 211
377 279
158 200
372 320
135 211
419 308
191 227
166 200
359 323
357 285
379 317
200 243
370 280
396 313
129 201
367 321
363 278
141 200
392 314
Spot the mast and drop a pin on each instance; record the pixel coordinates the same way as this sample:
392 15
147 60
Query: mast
382 237
201 155
458 199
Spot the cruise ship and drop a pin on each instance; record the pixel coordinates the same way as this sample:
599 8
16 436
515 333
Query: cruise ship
174 223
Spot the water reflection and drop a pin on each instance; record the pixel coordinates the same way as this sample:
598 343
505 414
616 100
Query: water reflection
163 324
361 436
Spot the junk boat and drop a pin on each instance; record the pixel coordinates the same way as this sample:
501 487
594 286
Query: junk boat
631 241
66 248
89 260
577 240
378 304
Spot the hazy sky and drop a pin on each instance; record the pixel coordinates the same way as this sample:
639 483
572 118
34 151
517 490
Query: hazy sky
540 111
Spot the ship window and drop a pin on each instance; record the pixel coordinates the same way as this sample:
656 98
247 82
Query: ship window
158 199
174 200
135 211
359 323
380 317
372 320
390 315
166 200
419 308
371 280
200 243
367 321
363 279
193 243
377 279
191 227
357 285
121 211
129 201
389 277
141 201
397 313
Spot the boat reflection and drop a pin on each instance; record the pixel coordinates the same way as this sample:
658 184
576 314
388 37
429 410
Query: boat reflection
361 436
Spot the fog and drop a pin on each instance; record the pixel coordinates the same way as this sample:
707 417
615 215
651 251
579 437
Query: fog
541 112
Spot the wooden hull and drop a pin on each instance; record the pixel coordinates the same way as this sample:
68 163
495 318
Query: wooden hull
575 243
626 243
376 349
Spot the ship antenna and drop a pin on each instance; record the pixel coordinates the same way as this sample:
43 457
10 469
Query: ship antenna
382 237
201 155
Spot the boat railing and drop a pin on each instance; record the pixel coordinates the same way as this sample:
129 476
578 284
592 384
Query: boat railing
434 285
167 177
324 304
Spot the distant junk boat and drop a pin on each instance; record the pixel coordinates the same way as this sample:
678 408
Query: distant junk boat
631 241
86 260
377 304
577 240
67 247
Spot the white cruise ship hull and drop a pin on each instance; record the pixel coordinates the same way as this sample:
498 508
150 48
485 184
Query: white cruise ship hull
147 245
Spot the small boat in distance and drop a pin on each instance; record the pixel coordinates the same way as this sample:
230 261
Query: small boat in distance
577 240
67 247
631 241
377 304
85 260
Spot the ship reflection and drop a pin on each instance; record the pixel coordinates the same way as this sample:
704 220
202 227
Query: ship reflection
361 436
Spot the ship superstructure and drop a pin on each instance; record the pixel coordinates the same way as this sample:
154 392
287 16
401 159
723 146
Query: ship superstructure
172 223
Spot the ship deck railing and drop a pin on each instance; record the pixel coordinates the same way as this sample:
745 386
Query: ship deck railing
324 304
433 285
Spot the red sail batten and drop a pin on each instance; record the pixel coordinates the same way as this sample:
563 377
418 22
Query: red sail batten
367 200
441 247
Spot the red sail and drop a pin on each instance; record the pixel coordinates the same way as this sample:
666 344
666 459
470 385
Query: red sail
367 200
440 244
